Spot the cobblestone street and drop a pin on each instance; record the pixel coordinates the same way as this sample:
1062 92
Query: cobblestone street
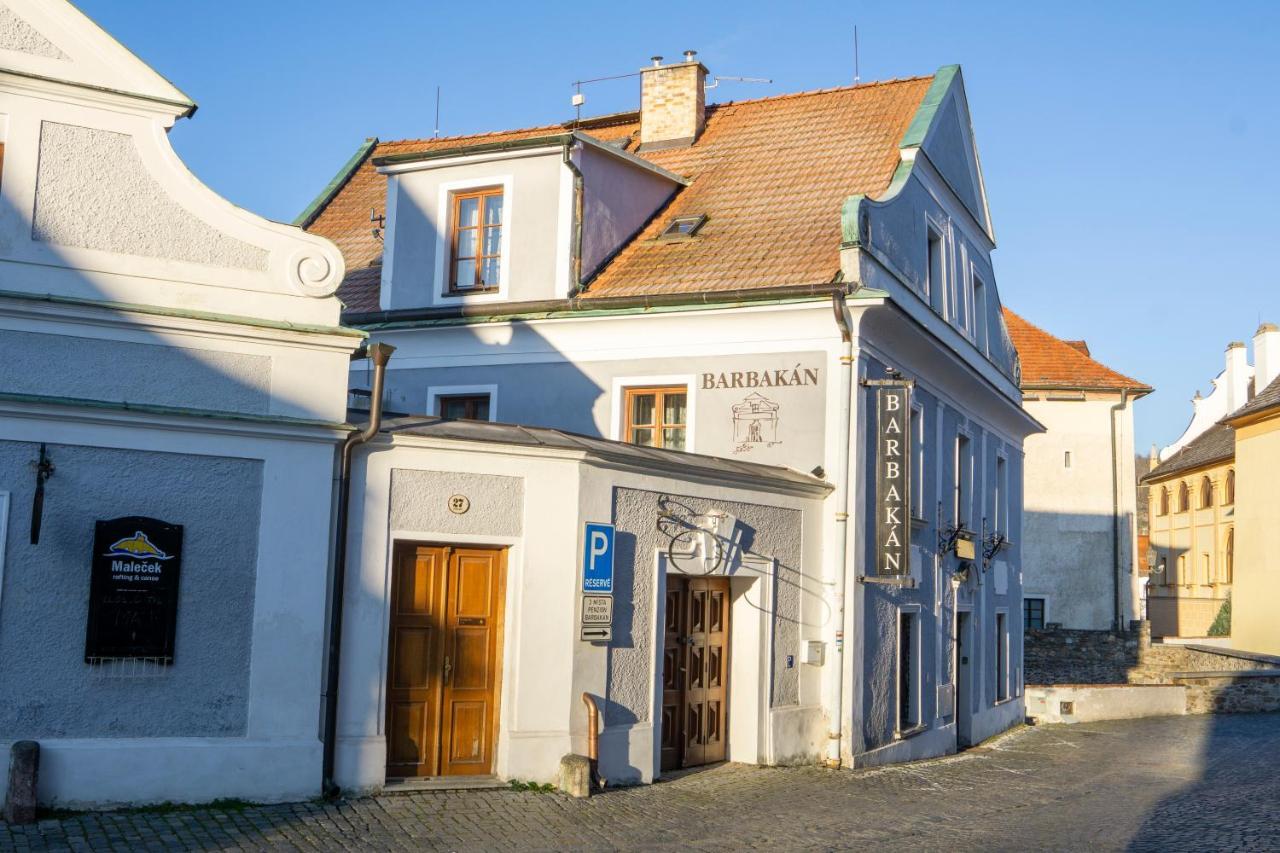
1179 783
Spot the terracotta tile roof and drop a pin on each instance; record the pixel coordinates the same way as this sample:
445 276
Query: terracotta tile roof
1050 362
770 174
1216 444
1267 398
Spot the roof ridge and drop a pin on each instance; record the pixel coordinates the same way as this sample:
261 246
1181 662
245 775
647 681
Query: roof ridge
892 81
621 116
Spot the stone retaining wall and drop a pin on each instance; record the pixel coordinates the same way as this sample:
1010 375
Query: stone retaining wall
1094 667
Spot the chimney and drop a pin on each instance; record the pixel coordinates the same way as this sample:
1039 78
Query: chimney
1236 376
1266 356
673 102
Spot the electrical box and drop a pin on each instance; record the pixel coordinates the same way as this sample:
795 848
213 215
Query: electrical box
813 652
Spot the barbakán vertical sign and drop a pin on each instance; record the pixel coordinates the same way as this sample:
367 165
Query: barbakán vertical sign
893 480
133 590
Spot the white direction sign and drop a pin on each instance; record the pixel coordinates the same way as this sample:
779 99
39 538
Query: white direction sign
597 610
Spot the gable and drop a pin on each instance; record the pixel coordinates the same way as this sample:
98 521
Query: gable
949 144
53 40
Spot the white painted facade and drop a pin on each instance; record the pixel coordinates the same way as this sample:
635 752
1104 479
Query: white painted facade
148 321
1080 553
939 324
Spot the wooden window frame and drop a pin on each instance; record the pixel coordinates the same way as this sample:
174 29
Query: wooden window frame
1184 497
471 400
1 161
455 228
628 428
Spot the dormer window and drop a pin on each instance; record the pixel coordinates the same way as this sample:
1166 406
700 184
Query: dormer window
683 227
476 257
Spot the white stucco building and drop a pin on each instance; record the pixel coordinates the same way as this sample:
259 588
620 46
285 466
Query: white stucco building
172 357
1080 553
677 278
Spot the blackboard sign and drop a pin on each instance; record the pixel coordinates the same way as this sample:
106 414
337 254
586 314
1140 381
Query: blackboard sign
893 480
133 590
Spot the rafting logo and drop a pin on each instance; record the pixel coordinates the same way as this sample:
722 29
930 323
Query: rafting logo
137 546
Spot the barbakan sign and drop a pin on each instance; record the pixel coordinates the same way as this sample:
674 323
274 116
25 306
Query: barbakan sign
893 479
133 590
784 378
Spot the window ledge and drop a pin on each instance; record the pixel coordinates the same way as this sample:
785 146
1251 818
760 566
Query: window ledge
906 734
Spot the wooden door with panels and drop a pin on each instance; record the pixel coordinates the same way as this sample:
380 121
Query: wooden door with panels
695 672
444 660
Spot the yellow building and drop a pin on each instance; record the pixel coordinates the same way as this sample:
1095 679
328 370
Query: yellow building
1192 523
1255 622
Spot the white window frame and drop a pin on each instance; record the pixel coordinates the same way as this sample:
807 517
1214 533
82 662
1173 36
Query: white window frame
1002 502
917 461
959 487
932 228
4 538
978 312
435 392
1005 666
622 383
440 294
915 611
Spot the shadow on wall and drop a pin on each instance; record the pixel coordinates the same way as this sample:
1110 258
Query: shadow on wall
46 688
1069 564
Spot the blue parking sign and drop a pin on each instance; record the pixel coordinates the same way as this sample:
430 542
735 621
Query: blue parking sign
597 558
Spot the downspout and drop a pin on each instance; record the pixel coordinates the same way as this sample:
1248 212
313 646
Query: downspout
381 354
1118 408
575 246
835 674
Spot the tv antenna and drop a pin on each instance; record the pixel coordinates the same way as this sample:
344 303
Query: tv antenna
436 133
857 75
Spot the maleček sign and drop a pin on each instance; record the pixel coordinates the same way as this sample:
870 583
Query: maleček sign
893 480
133 590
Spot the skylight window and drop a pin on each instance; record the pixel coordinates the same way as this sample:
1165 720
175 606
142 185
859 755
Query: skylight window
682 227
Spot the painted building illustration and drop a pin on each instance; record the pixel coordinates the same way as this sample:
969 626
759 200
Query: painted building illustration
755 420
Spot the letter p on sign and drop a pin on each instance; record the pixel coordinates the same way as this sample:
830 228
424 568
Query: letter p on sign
597 558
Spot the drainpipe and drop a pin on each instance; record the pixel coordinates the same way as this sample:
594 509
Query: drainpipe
575 248
835 675
1118 408
381 354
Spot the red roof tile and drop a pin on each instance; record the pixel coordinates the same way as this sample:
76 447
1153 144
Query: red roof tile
1050 362
770 174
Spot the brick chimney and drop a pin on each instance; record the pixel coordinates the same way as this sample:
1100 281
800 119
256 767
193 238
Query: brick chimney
673 102
1266 355
1236 376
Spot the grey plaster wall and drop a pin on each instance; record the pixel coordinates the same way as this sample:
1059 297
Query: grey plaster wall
617 200
576 397
93 191
123 371
17 35
46 688
419 501
766 530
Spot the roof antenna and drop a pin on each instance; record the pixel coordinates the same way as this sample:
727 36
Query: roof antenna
857 76
435 134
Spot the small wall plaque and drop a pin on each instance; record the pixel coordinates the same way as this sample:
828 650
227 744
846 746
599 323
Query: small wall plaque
459 504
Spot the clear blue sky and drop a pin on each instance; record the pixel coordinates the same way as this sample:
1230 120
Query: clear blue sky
1128 147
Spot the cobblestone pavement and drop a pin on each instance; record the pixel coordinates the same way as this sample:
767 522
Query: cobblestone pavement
1177 783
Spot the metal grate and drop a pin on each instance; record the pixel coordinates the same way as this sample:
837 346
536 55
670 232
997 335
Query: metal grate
129 668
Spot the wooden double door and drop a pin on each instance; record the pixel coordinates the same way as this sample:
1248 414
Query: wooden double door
444 663
695 672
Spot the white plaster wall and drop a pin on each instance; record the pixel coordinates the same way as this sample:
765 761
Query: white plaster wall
96 205
416 256
278 757
1069 547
